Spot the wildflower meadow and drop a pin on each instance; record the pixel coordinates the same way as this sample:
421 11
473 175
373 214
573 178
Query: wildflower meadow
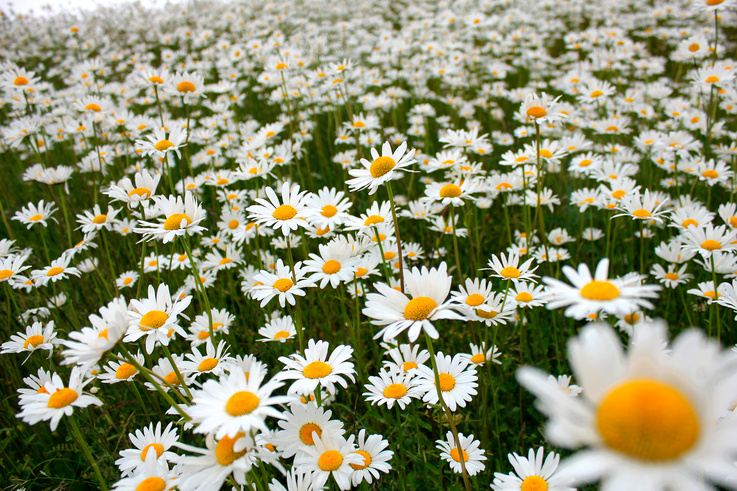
410 245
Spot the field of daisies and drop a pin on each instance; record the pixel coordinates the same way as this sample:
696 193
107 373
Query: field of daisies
386 245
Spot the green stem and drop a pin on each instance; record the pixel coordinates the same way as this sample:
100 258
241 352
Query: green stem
86 451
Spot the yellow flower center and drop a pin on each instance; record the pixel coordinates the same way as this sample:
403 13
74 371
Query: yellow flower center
710 174
241 403
545 153
331 267
100 219
283 284
5 274
305 433
450 191
359 124
233 224
317 369
712 294
202 335
510 272
34 341
537 112
281 335
62 398
93 107
281 66
55 271
124 371
713 2
185 86
474 299
596 93
225 261
35 218
158 448
330 460
524 297
478 358
366 460
163 145
207 364
381 166
600 290
172 378
689 221
711 245
711 79
395 391
284 212
20 81
484 314
456 455
671 276
648 420
153 483
174 222
618 194
361 272
408 365
419 308
447 382
142 192
329 211
153 320
534 483
156 80
224 450
641 213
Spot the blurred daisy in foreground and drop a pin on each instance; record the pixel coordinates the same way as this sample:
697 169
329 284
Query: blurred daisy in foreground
656 417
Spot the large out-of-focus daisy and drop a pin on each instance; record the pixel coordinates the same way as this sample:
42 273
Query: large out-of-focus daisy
288 214
397 312
656 417
381 169
587 295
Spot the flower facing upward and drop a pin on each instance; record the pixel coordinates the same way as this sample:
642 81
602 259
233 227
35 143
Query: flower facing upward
618 296
657 415
288 214
398 312
381 169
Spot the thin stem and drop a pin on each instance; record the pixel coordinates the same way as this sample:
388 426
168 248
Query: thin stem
396 232
86 451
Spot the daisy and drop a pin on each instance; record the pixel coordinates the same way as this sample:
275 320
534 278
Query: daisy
33 214
297 480
682 441
166 371
86 347
397 312
236 403
381 169
589 295
375 455
200 328
331 208
540 110
187 85
480 355
406 358
288 214
315 368
706 240
642 207
532 473
332 455
280 329
96 220
392 386
299 426
282 283
37 336
213 362
121 371
58 270
528 295
159 144
457 381
180 218
509 268
451 193
378 213
208 470
144 188
563 382
56 400
11 266
150 475
671 278
155 316
334 265
470 453
127 279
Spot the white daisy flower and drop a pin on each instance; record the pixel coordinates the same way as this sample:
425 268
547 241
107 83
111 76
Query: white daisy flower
375 455
532 473
381 169
470 453
457 381
315 368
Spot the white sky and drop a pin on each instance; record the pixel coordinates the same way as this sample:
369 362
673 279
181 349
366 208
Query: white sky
37 6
